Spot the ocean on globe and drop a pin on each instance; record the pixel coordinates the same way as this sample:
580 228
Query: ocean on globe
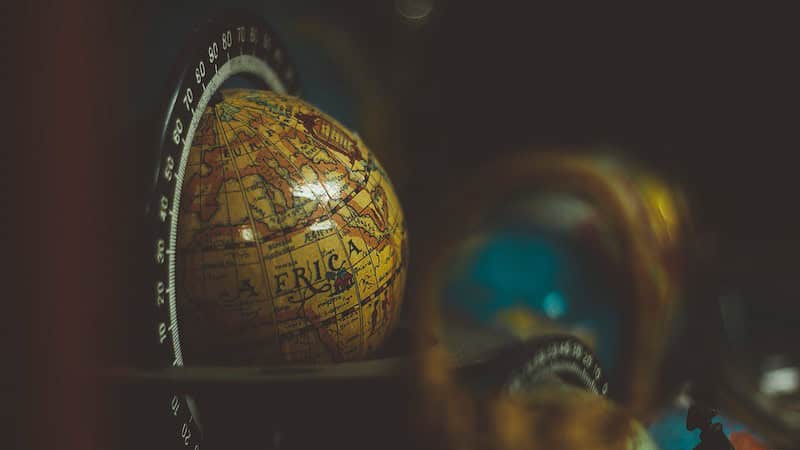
292 246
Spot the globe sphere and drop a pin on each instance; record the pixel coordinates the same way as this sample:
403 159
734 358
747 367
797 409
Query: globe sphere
292 246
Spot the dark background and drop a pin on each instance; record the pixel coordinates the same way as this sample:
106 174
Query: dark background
708 95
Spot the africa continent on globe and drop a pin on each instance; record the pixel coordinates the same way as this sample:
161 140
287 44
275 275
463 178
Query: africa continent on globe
292 245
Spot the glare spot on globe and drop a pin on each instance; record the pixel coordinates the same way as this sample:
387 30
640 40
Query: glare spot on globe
321 226
315 190
247 234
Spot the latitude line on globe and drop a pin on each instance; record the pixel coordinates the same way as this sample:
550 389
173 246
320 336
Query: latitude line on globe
255 230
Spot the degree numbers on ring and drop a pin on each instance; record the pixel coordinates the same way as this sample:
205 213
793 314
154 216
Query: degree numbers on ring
160 289
161 248
177 130
227 40
169 166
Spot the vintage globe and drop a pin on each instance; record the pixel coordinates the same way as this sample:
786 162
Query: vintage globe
292 245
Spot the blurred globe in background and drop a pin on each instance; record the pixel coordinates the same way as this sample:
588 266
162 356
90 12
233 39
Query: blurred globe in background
544 261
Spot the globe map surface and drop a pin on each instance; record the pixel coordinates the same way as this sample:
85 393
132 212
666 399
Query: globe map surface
291 241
